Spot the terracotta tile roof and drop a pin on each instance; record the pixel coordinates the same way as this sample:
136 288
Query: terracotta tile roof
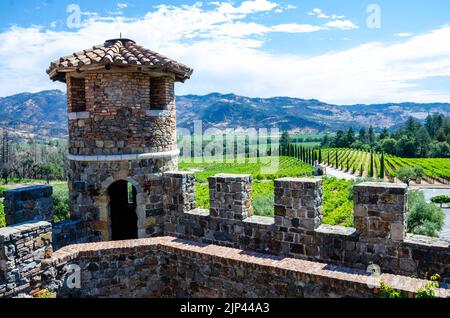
118 52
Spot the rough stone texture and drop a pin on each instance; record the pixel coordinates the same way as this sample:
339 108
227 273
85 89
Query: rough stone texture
170 267
76 95
69 232
89 198
179 191
298 212
297 232
22 249
380 210
118 122
230 196
29 204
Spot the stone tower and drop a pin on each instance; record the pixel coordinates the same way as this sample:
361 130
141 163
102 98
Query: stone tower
122 136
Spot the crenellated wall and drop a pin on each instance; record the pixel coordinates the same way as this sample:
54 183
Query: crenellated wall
170 267
296 231
147 267
23 247
33 203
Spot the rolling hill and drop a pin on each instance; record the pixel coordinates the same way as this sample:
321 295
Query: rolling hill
44 114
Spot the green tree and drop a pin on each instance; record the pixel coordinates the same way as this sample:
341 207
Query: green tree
350 137
337 161
384 134
405 175
285 141
382 167
371 170
372 136
388 145
363 135
441 200
50 171
423 218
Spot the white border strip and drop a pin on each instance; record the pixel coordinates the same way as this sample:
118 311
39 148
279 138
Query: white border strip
142 156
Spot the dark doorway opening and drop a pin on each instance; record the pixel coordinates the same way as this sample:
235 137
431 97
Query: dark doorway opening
123 211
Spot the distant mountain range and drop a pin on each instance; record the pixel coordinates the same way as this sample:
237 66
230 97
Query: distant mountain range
44 113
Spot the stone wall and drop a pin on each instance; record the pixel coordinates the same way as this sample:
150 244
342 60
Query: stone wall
76 95
69 232
89 197
296 231
169 267
28 204
23 247
119 118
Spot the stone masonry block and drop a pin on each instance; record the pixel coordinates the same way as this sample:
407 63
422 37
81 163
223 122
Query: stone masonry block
231 196
379 210
29 204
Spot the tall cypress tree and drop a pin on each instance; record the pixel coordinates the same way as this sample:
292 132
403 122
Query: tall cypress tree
371 164
382 167
320 155
337 161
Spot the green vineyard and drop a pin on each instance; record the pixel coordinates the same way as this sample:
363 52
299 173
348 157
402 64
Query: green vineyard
377 165
361 163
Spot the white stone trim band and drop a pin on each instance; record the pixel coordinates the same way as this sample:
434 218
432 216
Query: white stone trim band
79 115
142 156
157 113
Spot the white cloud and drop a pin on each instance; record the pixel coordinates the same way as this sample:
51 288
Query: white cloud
122 5
227 55
404 34
341 25
322 15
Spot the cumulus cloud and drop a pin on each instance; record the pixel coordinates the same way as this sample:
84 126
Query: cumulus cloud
227 54
322 15
341 25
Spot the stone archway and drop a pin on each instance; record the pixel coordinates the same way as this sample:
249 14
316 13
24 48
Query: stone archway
122 210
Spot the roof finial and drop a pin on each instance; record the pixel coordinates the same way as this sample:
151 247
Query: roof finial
120 34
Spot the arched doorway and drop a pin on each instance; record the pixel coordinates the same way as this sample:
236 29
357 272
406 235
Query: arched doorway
123 211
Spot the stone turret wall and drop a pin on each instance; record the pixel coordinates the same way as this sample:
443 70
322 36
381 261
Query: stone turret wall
119 116
89 198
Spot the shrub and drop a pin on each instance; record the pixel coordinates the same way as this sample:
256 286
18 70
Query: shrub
441 199
423 218
429 290
405 175
61 203
387 291
44 293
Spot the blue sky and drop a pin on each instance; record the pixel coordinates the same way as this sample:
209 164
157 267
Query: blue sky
320 49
